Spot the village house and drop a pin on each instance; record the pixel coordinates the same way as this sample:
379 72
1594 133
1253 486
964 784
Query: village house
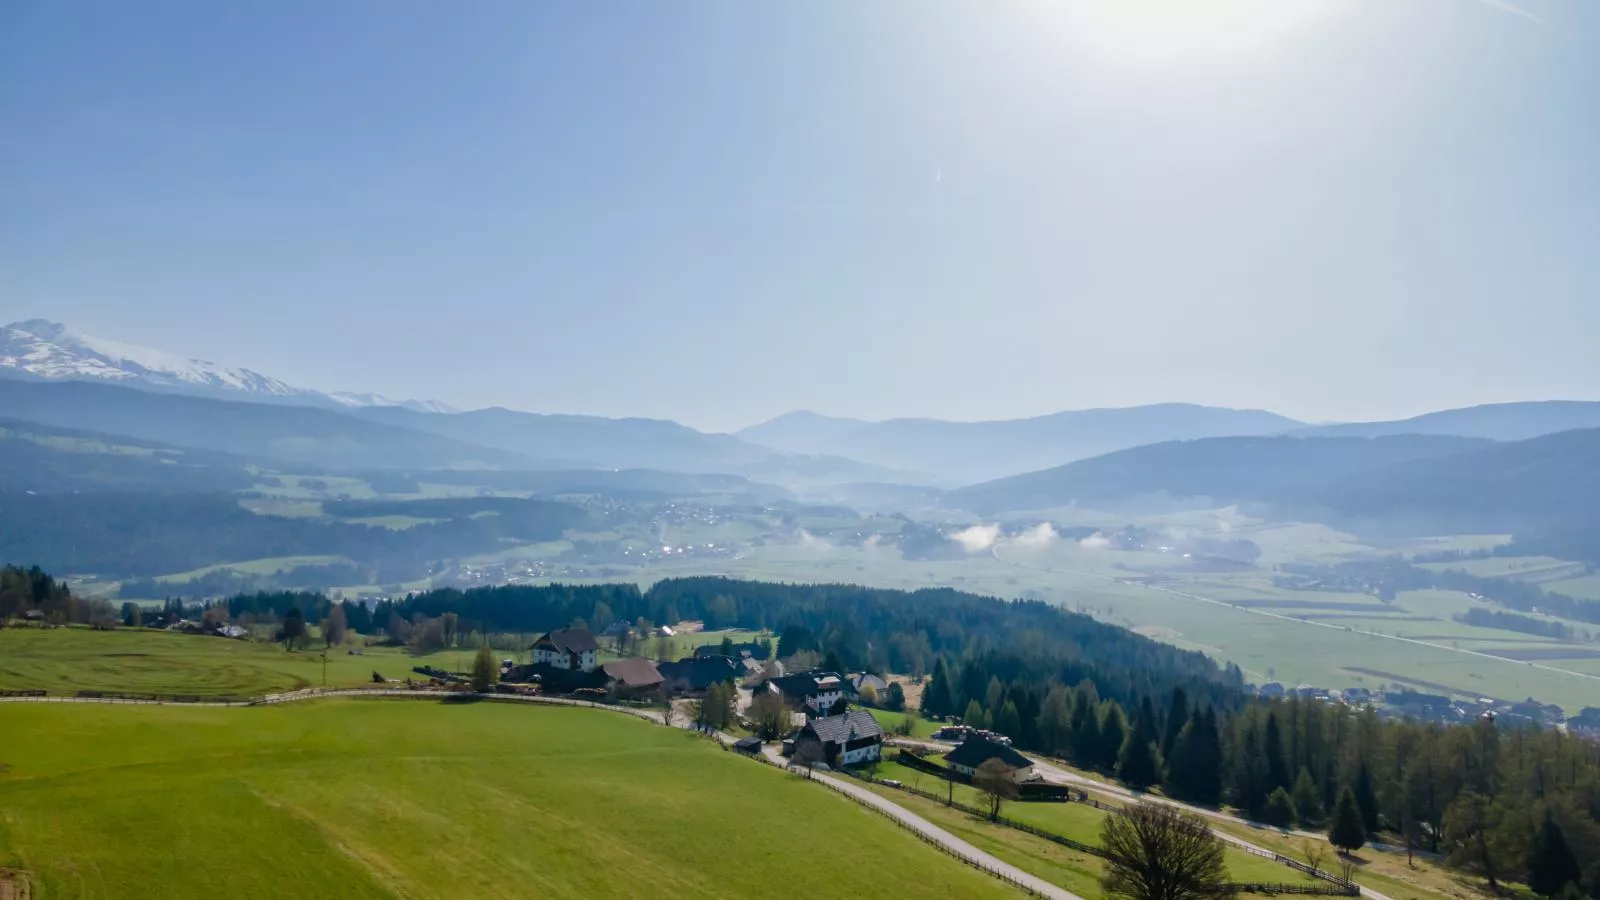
849 739
814 693
694 676
573 649
862 680
975 751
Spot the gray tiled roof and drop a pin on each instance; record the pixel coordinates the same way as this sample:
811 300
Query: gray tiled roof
853 725
974 752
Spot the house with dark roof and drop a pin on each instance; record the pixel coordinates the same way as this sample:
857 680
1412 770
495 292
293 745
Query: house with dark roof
814 693
847 739
691 675
975 751
633 676
573 649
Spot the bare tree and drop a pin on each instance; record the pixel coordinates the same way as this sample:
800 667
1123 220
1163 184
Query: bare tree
1157 852
335 628
1315 854
993 780
808 753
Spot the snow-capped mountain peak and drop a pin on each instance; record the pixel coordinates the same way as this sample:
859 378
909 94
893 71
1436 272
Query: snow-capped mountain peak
48 350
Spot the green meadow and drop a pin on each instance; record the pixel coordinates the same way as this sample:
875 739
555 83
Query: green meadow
392 798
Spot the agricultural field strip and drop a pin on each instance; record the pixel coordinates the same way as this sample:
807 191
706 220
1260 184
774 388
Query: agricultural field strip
1261 612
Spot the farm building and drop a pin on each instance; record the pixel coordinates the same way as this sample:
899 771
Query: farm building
634 675
848 739
975 751
573 649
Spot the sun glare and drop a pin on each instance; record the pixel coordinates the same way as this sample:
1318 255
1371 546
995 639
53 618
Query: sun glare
1167 31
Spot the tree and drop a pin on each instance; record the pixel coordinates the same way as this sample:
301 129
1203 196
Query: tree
894 699
973 716
1113 734
334 627
1346 831
1157 852
869 695
132 615
1009 721
484 671
726 647
832 663
1280 810
1085 749
716 709
1272 749
1138 760
293 629
1469 827
938 698
993 780
1177 717
1366 798
769 717
1307 799
808 752
1551 866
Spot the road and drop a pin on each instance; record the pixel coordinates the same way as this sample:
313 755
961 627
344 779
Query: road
1057 775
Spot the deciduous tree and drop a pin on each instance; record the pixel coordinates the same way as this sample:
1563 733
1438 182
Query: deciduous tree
1156 852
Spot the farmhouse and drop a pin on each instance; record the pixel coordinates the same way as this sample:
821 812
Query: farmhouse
634 675
690 675
862 680
976 751
848 739
815 693
573 649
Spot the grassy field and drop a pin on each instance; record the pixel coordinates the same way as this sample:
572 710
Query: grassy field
137 661
379 798
920 727
268 566
1077 872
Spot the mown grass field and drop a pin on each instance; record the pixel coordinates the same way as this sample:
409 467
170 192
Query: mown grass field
391 798
63 660
920 727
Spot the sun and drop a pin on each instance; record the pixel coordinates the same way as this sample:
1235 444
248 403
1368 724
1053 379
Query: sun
1176 31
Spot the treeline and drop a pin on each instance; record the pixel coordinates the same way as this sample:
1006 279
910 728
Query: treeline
223 582
1509 621
146 534
31 589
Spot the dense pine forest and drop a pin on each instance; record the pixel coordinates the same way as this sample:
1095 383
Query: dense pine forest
1507 804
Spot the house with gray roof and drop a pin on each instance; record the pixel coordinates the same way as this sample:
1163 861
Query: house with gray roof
848 739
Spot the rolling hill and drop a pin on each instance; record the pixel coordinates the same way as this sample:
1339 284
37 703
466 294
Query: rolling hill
958 452
1495 421
1281 470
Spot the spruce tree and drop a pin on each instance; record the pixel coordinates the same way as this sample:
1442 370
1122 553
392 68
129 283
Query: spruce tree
1177 718
973 717
1272 749
1280 809
1113 731
1346 831
1366 799
1009 722
1139 761
1307 799
1085 734
1551 866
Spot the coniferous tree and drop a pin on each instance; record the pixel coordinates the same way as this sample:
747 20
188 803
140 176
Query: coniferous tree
1177 717
1272 749
1085 733
1346 831
1113 732
1055 721
1009 722
1552 866
1307 799
937 699
1139 761
973 717
1366 798
1280 809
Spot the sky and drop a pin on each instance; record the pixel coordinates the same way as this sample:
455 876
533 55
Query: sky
718 212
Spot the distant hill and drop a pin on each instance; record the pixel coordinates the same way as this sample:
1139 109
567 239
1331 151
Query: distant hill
600 443
44 459
1224 470
1495 421
963 452
254 430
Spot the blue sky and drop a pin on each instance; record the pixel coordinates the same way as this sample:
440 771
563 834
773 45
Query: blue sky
720 211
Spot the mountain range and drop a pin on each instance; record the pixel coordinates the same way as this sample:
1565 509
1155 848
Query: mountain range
51 351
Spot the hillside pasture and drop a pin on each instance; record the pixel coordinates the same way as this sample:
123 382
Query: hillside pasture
398 798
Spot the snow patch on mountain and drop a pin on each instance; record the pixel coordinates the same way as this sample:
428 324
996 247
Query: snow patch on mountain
53 351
